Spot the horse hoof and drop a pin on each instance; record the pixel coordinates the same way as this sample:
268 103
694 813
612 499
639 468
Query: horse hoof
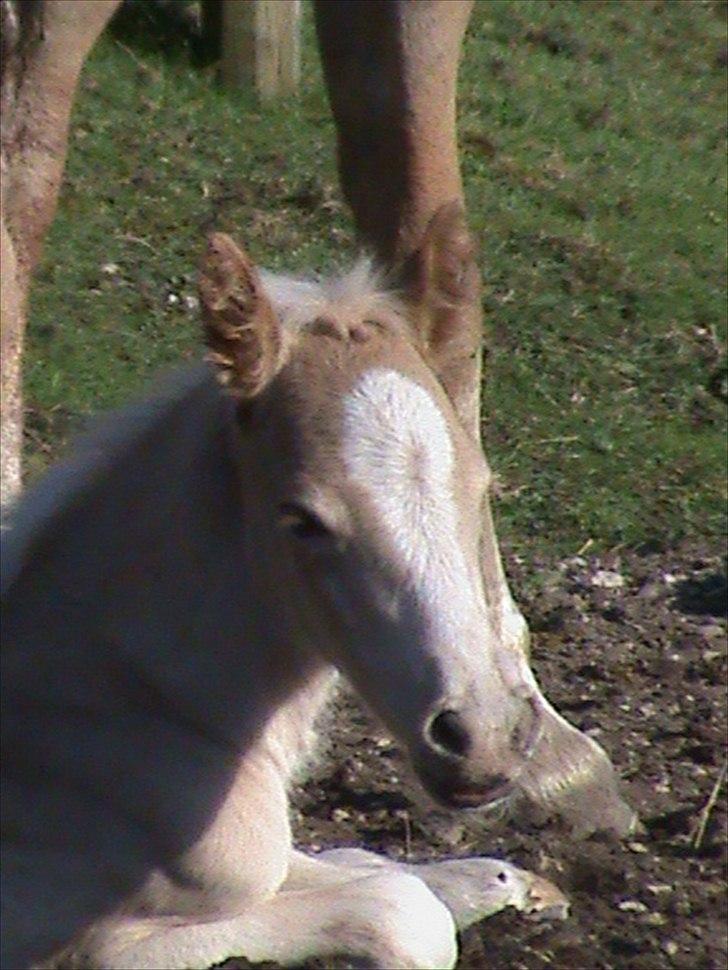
544 901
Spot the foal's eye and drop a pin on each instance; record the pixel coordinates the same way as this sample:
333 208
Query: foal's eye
301 522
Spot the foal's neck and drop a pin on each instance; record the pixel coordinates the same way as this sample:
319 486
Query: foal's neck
149 568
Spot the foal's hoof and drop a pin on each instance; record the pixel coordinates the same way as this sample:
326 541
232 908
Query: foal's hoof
544 901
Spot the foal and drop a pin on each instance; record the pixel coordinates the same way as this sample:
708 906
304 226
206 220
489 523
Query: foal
177 599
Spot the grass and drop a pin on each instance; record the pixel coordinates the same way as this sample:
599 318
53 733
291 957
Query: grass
593 151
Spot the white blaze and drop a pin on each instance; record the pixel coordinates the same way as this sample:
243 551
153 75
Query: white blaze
397 448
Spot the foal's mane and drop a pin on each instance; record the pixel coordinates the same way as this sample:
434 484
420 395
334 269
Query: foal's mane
362 293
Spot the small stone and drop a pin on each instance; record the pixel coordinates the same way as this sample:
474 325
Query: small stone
638 847
632 906
654 919
607 579
670 947
340 815
172 299
659 888
575 562
713 631
190 301
111 269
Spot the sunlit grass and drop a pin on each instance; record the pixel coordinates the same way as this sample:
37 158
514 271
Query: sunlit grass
593 150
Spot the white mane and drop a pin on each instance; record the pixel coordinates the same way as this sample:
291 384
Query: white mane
359 294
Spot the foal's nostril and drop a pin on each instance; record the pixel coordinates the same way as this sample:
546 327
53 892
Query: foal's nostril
448 734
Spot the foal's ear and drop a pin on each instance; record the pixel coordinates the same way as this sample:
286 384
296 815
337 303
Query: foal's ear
442 284
242 332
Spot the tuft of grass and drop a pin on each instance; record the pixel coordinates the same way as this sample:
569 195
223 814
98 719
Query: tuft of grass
592 142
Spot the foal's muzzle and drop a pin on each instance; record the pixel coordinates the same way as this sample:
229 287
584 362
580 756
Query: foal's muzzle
454 791
462 764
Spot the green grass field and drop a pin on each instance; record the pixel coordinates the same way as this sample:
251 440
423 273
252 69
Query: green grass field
593 141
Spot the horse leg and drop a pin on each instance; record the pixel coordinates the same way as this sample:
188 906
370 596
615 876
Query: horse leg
378 917
241 890
391 72
472 888
44 48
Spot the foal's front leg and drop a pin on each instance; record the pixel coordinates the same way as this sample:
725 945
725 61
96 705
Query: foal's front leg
472 888
378 917
345 901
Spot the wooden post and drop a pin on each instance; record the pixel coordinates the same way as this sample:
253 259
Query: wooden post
261 46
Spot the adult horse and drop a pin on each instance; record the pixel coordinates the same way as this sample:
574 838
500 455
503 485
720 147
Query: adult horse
391 71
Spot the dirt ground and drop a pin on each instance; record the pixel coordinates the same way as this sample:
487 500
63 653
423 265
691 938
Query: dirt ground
633 650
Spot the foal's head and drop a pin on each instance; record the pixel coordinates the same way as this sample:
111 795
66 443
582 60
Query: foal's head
369 497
